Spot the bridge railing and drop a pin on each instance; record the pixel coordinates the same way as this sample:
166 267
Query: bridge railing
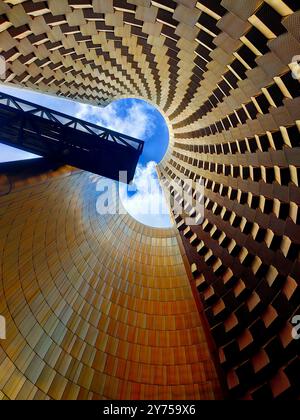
103 134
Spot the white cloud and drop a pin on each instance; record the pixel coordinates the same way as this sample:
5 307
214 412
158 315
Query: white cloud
148 204
134 120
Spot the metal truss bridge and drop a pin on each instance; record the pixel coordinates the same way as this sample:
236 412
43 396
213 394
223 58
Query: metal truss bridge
64 139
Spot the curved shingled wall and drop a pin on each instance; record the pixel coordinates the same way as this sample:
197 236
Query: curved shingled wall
224 74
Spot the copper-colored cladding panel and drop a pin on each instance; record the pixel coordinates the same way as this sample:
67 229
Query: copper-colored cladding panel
225 76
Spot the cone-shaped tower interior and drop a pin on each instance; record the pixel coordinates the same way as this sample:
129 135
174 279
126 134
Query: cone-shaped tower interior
103 307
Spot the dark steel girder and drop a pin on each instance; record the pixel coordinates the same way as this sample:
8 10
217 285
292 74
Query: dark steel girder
67 140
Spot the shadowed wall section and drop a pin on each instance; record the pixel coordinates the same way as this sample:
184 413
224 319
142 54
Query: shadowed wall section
96 306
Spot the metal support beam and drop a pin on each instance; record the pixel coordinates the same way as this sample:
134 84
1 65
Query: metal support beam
66 139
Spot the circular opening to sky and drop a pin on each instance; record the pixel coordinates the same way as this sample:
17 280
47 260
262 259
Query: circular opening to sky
144 199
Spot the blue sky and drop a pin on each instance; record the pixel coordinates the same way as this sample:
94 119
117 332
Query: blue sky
130 116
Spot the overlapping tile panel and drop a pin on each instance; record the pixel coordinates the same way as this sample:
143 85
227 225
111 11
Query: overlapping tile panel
223 73
96 306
